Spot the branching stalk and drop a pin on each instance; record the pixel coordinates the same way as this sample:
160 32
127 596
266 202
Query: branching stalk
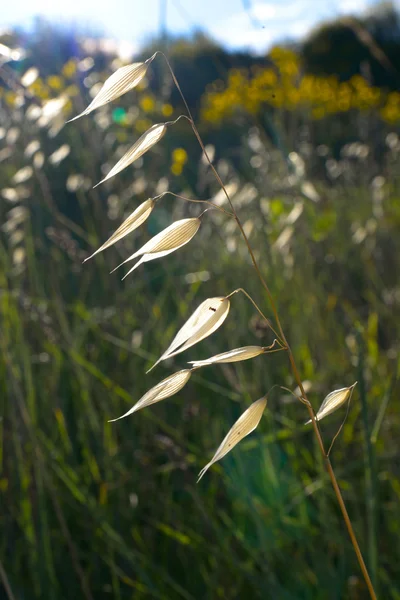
285 342
220 208
259 311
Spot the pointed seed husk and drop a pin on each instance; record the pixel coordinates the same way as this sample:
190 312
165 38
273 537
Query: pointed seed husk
243 426
119 83
144 143
236 355
168 240
137 218
204 321
166 388
333 401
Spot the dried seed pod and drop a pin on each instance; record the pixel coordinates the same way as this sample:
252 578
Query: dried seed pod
204 321
119 83
144 143
137 218
166 388
170 239
236 355
333 401
243 426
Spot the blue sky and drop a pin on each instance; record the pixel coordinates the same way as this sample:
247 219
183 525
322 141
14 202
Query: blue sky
226 20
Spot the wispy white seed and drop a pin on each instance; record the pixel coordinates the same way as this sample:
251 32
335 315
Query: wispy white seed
309 191
166 388
170 239
144 143
120 82
137 218
29 76
231 356
59 154
11 53
23 175
333 401
204 321
243 426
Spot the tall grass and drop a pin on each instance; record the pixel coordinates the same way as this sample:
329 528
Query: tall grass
95 510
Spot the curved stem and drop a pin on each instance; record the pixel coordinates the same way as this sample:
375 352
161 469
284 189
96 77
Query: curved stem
293 365
299 398
272 351
209 202
178 119
259 311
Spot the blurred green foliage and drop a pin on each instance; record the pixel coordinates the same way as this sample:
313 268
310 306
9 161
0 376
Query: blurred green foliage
91 509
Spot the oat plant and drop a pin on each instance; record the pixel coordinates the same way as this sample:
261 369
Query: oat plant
212 312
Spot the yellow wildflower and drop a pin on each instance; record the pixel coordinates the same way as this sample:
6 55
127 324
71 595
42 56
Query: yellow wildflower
179 156
147 103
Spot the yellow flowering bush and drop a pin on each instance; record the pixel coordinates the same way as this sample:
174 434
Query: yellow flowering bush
179 158
285 86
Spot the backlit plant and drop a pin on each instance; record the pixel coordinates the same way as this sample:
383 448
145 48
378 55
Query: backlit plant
212 312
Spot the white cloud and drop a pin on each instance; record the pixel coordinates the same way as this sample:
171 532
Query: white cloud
264 11
280 21
288 9
352 6
276 22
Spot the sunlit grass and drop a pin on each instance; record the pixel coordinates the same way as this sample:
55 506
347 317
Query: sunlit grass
93 510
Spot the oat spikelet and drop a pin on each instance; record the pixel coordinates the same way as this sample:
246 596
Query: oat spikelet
243 426
137 218
204 321
236 355
119 83
144 143
166 388
333 401
170 239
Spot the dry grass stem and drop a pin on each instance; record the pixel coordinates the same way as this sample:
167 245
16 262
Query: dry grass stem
211 313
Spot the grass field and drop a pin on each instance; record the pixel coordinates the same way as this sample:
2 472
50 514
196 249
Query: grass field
93 510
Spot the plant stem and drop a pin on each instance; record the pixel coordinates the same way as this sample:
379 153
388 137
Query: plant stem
259 312
297 377
295 371
370 466
6 584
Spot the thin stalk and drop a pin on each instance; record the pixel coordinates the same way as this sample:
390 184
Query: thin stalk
6 583
293 394
259 311
370 466
220 208
293 365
